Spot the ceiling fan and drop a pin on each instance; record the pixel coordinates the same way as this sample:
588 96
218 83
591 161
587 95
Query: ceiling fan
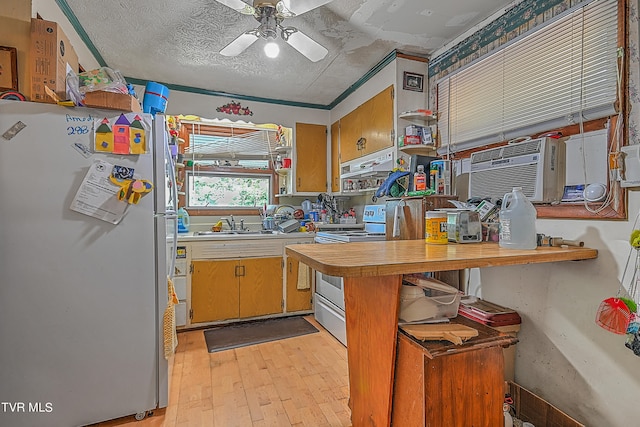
270 14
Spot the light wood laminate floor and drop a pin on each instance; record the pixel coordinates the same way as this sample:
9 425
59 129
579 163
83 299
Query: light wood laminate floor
301 381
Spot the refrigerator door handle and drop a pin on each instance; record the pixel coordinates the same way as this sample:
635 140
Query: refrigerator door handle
172 175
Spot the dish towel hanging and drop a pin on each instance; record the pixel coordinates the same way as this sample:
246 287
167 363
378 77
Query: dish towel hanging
169 322
303 277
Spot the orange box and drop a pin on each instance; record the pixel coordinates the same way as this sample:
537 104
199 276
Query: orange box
50 55
112 101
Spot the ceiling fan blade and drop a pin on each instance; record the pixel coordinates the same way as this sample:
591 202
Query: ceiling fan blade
240 44
304 44
298 7
239 6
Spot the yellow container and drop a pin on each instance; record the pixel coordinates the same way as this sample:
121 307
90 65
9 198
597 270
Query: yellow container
435 227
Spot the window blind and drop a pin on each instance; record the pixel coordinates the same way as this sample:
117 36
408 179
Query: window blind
541 81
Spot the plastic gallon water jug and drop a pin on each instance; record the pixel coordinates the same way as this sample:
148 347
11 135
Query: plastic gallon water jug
306 207
183 221
517 221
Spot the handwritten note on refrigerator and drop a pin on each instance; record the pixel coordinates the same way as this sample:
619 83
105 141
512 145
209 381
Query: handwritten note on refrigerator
97 196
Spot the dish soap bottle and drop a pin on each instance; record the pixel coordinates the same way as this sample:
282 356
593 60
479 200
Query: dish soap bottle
517 221
183 221
420 179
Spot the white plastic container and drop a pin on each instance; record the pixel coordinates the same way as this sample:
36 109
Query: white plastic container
517 221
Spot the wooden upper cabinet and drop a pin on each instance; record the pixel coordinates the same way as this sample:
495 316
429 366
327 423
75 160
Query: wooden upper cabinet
350 133
373 121
378 122
335 157
311 158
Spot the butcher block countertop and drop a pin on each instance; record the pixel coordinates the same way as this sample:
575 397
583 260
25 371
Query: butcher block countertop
365 259
372 274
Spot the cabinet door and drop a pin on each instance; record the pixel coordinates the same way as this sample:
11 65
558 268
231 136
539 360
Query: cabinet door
297 299
261 286
311 158
335 157
350 132
214 291
377 122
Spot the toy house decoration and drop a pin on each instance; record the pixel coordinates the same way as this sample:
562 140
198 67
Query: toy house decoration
125 134
121 135
104 137
138 141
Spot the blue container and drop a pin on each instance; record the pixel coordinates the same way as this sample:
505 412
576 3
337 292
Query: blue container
155 98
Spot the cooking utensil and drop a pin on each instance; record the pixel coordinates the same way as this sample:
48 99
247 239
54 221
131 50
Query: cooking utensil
457 334
613 315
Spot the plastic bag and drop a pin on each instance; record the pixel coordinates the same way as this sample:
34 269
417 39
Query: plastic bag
103 78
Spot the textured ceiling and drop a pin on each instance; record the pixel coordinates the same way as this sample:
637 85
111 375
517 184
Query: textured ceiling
177 42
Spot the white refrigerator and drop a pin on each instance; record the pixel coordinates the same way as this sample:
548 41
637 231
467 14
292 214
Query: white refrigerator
81 298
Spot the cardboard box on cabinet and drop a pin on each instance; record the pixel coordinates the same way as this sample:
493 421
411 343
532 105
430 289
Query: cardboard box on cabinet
16 33
112 101
50 56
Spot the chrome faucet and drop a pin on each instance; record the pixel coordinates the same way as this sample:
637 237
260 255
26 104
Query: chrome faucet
232 223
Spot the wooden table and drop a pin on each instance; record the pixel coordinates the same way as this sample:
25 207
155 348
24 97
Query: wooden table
372 274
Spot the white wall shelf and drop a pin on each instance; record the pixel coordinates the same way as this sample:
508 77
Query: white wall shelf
419 118
419 149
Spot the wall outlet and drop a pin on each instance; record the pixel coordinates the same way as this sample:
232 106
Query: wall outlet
631 166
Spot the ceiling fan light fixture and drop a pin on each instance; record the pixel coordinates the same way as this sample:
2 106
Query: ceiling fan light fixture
272 50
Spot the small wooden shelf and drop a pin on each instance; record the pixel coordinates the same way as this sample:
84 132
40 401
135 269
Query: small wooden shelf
282 148
420 149
419 118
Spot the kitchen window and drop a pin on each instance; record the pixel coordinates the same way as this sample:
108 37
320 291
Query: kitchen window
562 74
229 167
214 189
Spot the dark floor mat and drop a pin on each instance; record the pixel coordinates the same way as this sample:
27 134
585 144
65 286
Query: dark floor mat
234 336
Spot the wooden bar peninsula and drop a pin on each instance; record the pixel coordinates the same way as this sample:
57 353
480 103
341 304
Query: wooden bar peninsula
372 274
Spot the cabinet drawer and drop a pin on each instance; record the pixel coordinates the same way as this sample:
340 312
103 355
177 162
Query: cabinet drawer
180 284
236 249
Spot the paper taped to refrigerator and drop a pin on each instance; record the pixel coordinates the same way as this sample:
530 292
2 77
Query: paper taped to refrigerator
97 196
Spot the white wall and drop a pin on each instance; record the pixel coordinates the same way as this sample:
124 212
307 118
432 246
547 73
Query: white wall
563 355
205 106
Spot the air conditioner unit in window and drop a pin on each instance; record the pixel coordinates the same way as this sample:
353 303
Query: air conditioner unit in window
536 165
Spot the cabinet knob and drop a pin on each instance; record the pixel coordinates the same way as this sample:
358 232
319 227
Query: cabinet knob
362 142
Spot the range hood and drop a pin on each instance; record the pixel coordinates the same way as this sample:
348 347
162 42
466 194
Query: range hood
379 164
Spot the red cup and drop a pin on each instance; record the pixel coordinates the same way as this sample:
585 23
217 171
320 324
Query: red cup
286 163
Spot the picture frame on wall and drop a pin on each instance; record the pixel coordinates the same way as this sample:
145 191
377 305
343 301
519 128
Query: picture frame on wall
8 68
413 81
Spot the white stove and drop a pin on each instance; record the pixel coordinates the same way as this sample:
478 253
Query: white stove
328 301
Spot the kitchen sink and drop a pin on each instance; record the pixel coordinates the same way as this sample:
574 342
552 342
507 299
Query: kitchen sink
231 232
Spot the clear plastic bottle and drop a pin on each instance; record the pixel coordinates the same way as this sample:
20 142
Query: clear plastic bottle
420 179
508 419
517 221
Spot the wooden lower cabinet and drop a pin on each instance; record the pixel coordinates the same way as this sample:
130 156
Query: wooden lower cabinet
261 287
455 388
236 288
297 299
